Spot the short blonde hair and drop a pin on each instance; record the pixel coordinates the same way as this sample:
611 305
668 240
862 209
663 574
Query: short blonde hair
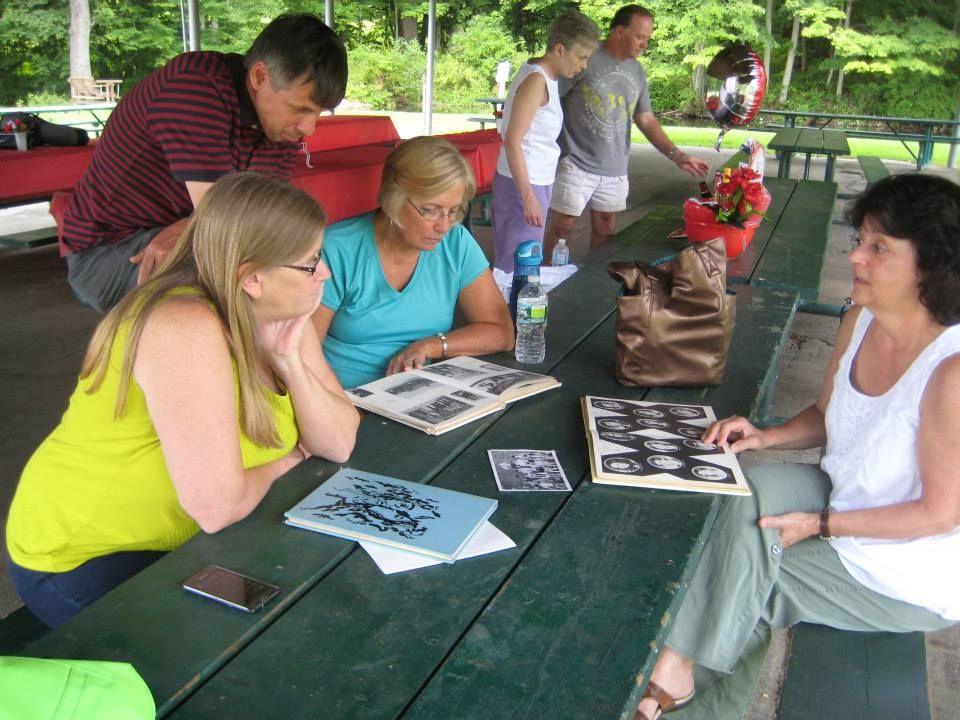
420 169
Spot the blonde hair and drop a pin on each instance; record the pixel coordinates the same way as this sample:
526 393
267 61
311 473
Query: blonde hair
420 169
244 219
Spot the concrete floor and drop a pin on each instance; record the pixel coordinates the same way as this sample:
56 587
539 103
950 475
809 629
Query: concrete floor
44 333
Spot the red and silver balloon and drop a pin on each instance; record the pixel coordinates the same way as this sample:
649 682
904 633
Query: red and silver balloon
736 87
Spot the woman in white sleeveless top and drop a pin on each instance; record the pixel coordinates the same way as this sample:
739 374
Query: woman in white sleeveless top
531 123
870 539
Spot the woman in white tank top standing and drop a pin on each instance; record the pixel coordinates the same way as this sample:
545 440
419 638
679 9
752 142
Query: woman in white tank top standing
870 539
532 119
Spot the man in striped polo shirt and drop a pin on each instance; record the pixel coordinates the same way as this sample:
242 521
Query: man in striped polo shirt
201 116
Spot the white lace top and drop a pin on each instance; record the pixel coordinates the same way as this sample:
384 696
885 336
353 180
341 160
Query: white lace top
871 458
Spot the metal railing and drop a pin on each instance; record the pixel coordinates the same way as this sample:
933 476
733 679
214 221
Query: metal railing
96 114
898 128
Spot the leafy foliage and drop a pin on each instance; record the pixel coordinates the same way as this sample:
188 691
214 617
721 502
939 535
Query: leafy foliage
899 58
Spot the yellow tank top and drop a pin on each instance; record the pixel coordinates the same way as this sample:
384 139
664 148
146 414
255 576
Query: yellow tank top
99 485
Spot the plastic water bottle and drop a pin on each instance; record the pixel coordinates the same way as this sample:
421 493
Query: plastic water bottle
561 253
531 321
526 261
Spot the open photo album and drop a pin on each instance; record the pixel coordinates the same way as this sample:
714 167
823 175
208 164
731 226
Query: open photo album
658 445
448 394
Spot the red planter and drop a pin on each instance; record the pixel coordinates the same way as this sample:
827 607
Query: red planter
701 225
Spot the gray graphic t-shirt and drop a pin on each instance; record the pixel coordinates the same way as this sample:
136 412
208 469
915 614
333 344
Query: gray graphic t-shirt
598 109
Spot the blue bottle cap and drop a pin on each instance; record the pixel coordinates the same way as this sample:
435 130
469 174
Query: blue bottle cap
528 253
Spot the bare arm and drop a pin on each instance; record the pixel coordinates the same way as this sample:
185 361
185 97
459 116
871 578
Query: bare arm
647 122
153 255
326 419
531 95
183 367
489 329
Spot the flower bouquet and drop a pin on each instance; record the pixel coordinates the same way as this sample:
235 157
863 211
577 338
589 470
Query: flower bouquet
734 209
18 128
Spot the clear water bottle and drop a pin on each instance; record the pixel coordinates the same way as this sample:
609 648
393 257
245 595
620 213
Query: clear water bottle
561 253
531 321
526 261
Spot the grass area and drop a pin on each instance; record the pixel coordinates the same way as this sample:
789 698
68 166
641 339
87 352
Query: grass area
706 137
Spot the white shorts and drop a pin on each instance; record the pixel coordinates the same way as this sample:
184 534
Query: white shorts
575 189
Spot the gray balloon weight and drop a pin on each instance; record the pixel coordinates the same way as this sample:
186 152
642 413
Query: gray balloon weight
736 87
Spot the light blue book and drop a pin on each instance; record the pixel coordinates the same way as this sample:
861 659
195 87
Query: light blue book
358 505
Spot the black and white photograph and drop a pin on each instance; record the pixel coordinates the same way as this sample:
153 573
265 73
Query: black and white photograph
466 395
439 409
410 386
452 371
498 384
359 392
528 471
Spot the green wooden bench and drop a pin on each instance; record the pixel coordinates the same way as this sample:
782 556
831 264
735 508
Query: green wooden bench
837 675
873 169
483 121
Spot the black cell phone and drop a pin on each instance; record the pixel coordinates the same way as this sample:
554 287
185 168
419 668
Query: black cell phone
231 588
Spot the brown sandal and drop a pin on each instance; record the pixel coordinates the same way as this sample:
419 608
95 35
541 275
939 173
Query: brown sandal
665 701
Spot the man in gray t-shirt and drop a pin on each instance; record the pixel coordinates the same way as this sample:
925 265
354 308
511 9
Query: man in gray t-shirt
598 106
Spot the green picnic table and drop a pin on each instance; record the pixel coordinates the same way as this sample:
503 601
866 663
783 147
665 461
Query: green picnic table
566 625
809 141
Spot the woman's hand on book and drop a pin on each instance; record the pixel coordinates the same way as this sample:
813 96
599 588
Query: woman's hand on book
414 355
736 432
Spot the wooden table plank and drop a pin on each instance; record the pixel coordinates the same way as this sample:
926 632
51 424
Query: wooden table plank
795 258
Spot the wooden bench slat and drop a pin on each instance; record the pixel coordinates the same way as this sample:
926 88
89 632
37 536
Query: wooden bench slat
839 675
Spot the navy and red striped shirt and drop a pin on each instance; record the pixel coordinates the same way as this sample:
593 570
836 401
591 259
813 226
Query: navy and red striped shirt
191 120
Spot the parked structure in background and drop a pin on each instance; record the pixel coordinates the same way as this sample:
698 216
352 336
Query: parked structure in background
87 90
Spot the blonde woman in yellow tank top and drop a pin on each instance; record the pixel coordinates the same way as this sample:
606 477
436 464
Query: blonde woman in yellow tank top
197 392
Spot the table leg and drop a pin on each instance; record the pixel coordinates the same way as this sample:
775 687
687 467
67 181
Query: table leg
828 174
783 170
806 167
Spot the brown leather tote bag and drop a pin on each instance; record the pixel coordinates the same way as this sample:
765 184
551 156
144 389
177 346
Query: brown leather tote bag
674 320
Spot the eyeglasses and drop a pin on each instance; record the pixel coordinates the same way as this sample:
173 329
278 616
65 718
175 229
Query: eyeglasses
434 214
309 269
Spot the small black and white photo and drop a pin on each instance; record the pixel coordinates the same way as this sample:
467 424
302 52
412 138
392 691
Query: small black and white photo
452 371
614 424
528 471
410 386
499 384
359 392
438 409
686 412
465 395
608 404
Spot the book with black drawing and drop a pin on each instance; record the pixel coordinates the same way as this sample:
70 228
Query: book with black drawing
363 506
448 394
658 445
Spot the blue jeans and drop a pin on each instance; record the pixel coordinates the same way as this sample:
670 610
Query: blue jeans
56 597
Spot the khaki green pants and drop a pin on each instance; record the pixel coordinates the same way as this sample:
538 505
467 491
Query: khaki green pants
746 584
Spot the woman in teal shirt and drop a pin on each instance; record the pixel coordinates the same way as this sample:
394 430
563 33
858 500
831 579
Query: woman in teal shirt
397 274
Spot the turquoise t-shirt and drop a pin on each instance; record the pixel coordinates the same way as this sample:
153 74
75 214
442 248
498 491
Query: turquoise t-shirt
372 322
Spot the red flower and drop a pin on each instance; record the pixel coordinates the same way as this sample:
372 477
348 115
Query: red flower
14 126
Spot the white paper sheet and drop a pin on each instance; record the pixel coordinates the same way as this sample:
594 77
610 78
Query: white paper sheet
390 560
